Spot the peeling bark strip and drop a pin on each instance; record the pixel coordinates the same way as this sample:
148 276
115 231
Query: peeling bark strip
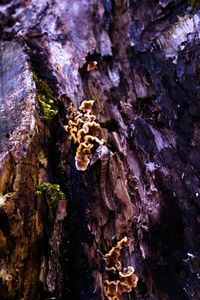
139 60
16 104
18 168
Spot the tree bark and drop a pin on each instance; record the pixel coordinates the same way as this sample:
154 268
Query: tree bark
139 60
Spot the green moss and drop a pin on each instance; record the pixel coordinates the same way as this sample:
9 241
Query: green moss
62 165
194 3
46 99
52 192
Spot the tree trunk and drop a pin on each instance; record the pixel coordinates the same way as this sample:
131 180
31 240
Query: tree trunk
139 61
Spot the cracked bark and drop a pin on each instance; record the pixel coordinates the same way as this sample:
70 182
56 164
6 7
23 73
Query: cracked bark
144 186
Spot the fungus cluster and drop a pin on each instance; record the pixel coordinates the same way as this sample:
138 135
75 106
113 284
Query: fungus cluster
82 129
124 278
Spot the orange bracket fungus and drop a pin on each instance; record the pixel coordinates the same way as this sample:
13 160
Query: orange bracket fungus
125 279
83 129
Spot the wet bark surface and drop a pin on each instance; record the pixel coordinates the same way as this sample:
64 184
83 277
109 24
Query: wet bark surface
145 185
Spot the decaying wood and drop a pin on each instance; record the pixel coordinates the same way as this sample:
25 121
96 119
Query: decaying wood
140 61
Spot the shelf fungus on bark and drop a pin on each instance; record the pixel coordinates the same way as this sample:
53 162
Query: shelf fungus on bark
125 279
83 129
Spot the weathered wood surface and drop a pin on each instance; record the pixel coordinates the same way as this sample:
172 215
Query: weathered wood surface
145 185
18 131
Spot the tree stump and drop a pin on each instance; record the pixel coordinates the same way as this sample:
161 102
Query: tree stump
139 61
